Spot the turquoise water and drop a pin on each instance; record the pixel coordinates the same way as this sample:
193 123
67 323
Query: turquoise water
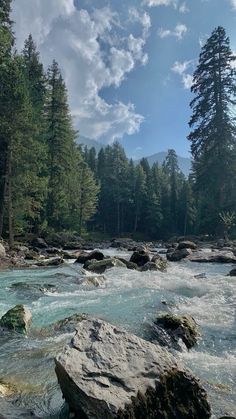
130 299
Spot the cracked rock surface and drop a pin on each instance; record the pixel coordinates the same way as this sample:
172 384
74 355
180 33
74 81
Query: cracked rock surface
107 373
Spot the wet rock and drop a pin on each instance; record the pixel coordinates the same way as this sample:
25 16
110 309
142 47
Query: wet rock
177 327
95 255
2 251
69 255
124 243
214 257
200 276
50 262
157 264
39 243
128 264
178 255
108 373
101 266
93 281
140 256
32 290
187 245
232 272
68 324
17 319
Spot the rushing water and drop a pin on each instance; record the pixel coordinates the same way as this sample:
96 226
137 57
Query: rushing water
130 299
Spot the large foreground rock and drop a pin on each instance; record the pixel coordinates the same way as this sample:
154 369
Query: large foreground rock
107 373
17 319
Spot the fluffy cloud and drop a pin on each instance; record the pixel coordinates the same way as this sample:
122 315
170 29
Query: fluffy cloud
154 3
183 8
182 70
233 2
178 32
95 52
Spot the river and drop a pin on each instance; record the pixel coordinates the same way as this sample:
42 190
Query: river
130 299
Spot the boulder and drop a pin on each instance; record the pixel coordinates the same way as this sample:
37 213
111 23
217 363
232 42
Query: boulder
232 272
107 373
99 267
95 255
68 324
187 245
157 264
17 319
39 243
128 264
177 327
178 255
2 251
57 261
140 256
214 257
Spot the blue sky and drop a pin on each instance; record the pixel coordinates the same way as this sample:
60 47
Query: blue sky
127 64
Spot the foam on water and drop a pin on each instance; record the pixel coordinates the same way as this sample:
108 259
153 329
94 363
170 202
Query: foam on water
129 299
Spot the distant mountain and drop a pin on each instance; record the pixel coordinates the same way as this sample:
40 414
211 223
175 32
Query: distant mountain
89 143
184 162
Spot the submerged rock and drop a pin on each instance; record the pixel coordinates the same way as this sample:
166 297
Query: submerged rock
108 373
232 272
50 262
177 327
140 256
93 281
17 318
95 255
101 266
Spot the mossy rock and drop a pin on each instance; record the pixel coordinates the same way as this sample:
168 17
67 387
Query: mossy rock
183 327
17 319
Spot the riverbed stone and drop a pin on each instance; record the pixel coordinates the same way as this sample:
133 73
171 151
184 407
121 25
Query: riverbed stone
101 266
232 272
84 257
17 319
106 372
128 264
213 257
186 244
178 255
140 256
177 327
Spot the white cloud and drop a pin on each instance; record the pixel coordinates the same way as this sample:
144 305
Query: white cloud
92 57
183 8
154 3
182 70
178 32
233 3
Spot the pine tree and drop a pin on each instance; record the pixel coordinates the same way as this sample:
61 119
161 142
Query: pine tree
60 140
171 168
6 44
213 142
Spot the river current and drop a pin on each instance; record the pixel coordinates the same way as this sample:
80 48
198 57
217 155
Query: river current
129 299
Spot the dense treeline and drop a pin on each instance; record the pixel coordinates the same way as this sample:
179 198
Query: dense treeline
48 183
138 199
42 171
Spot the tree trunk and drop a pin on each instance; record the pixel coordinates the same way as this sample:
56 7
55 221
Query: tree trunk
10 206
